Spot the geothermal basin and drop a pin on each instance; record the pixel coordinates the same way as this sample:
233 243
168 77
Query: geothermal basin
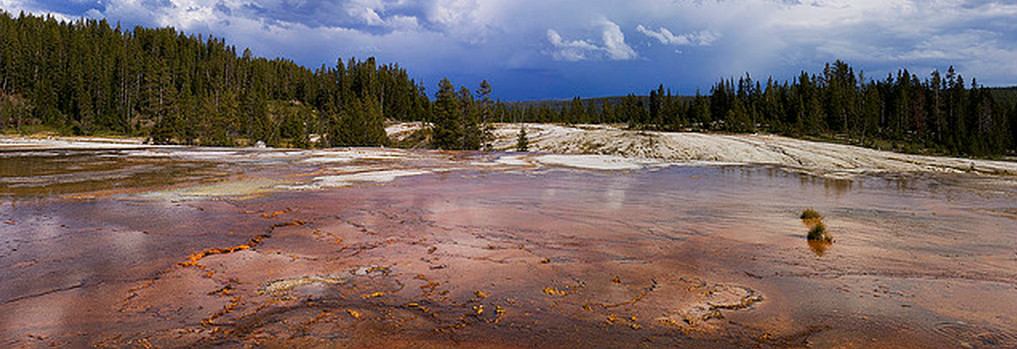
174 247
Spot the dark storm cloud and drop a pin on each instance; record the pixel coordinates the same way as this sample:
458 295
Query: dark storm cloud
538 48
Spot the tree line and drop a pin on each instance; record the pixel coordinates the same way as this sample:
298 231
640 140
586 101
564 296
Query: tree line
88 77
938 114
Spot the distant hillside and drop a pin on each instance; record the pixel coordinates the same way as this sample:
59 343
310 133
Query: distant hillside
597 102
1004 95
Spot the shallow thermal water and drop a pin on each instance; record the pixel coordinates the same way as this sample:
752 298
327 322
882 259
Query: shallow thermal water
197 251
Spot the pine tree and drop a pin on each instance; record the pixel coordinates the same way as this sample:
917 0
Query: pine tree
700 112
935 120
470 136
576 112
671 113
1013 129
872 106
738 119
606 113
633 111
486 110
522 143
447 117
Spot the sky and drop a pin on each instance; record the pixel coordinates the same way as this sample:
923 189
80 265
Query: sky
540 49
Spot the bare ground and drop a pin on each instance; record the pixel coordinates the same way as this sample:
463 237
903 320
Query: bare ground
608 147
692 147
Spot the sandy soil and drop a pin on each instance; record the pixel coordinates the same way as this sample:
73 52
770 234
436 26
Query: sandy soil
688 147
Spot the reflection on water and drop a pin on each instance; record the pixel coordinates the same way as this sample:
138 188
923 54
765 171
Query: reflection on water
819 247
61 172
681 256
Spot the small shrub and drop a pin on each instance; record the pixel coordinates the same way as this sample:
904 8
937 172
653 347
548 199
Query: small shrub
811 214
818 233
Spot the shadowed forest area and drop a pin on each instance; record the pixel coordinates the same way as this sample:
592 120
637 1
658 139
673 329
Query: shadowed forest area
90 78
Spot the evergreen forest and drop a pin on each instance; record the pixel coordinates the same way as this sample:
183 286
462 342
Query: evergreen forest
88 77
939 114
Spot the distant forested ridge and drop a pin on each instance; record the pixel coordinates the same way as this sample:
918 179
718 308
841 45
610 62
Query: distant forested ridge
87 77
903 112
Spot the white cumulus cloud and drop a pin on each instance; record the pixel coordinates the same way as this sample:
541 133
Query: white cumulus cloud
700 38
566 50
613 47
14 7
367 11
614 42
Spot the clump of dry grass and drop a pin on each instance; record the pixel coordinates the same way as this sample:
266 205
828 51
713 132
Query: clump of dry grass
819 233
810 214
817 230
